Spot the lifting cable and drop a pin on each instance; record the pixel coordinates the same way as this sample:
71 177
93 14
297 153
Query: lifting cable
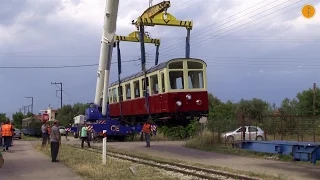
120 90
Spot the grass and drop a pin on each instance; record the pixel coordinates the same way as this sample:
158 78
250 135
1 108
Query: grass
28 138
158 137
208 142
89 165
142 155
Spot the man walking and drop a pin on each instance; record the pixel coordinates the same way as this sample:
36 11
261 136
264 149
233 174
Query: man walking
84 135
146 129
45 134
6 131
55 140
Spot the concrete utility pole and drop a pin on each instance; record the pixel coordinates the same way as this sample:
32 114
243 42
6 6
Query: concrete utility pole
30 97
60 89
314 98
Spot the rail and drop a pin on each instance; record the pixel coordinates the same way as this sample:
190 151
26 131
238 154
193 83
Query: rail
174 167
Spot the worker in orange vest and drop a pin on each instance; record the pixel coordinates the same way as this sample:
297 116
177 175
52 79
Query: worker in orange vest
6 131
146 129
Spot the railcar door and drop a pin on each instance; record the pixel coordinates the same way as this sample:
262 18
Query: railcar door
163 96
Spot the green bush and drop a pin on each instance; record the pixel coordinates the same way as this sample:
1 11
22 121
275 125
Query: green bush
180 132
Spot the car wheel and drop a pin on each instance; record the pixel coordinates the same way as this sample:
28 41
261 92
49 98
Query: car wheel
259 138
230 139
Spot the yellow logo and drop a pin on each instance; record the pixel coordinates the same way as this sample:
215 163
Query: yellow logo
308 11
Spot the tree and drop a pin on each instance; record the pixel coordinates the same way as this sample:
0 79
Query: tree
305 102
68 112
3 117
253 109
17 119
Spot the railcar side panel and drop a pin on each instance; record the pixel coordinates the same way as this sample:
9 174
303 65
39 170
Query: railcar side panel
162 103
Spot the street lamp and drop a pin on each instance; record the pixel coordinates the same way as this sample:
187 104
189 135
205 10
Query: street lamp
28 97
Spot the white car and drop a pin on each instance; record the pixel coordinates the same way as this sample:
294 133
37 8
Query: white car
251 133
62 130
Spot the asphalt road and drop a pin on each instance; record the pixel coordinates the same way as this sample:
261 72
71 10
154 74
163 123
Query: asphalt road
175 150
23 162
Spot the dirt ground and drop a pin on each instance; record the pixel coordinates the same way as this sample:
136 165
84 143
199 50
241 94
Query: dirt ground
23 162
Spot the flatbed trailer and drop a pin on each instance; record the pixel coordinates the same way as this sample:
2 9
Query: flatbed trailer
300 151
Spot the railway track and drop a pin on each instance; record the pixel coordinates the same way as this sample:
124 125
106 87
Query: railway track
201 173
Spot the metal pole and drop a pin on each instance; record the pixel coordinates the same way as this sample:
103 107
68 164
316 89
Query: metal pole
104 148
60 83
30 97
61 96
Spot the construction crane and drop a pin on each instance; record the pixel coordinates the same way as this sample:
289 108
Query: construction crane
158 15
154 15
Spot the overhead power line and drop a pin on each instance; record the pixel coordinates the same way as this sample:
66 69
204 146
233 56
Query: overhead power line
56 67
201 41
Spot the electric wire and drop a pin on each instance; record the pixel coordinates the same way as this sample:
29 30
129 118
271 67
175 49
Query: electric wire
200 43
198 32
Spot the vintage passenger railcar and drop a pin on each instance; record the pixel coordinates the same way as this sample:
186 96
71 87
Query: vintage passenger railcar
176 91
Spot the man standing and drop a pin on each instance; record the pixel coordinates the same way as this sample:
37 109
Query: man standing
146 129
45 134
84 135
55 140
6 131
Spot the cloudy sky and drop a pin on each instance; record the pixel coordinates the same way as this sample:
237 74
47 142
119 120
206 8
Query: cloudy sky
253 48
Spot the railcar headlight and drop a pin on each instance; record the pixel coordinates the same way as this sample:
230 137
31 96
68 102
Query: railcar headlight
188 96
199 102
178 103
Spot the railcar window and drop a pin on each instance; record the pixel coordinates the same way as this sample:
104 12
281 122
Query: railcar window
136 89
176 79
194 65
154 84
115 94
163 83
144 87
176 65
128 91
195 79
120 93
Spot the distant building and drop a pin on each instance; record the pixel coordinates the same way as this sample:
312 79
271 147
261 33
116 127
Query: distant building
51 112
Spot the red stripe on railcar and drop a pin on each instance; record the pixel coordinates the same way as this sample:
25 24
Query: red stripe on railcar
162 103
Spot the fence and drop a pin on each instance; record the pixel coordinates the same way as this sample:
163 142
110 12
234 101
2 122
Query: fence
270 127
291 128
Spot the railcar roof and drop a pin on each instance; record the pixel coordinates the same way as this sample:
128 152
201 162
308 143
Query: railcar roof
152 69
